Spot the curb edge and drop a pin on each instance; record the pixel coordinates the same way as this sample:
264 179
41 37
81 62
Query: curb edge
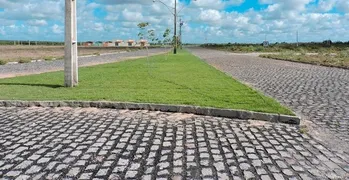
206 111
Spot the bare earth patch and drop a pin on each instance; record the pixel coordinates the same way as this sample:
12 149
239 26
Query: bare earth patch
179 116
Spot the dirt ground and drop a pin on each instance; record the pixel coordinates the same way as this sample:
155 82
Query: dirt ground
17 53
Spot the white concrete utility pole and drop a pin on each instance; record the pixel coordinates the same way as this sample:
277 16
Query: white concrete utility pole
71 46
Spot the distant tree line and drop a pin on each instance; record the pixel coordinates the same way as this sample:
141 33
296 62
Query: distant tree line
41 43
285 44
327 45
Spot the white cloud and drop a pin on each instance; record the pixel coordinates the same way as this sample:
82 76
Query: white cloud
112 17
31 9
216 4
133 16
210 15
326 5
343 5
98 27
203 18
57 29
37 22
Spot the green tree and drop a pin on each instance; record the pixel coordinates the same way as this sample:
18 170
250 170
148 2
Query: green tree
166 36
152 36
142 26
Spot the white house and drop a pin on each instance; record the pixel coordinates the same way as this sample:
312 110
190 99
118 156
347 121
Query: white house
126 43
142 43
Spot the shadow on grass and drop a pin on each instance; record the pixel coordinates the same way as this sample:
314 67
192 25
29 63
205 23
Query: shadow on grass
28 84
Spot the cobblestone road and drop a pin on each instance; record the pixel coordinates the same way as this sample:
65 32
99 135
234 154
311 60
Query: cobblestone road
44 143
319 94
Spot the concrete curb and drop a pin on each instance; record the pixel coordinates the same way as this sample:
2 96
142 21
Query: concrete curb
207 111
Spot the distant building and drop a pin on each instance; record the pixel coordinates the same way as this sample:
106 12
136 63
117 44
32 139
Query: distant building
327 42
108 44
142 43
131 43
98 44
119 43
266 43
88 43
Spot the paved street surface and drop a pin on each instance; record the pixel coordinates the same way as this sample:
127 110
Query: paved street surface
65 143
319 94
48 66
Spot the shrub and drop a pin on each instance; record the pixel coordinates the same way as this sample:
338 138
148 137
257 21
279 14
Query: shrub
24 60
259 49
302 51
250 49
2 62
343 54
48 58
288 53
233 48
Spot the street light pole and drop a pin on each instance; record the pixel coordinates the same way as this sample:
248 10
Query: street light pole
175 28
175 22
180 33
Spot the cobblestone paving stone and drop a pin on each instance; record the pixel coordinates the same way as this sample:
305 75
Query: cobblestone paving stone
318 94
66 143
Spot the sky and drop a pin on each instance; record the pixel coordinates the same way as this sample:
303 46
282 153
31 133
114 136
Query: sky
205 21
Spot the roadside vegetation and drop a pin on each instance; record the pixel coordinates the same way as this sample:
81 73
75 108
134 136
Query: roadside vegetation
339 59
24 60
325 53
2 62
51 58
36 43
324 47
167 79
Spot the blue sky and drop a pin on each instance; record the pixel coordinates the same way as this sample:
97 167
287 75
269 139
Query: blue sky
218 21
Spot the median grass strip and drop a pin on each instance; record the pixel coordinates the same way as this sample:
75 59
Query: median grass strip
177 79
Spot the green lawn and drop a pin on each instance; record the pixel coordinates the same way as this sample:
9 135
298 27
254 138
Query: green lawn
181 79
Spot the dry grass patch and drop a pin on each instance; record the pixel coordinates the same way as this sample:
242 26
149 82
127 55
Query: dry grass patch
340 59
